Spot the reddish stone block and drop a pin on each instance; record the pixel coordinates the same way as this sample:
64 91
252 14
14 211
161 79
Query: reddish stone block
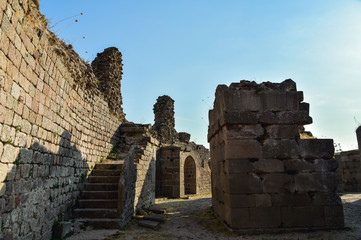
265 217
303 217
236 132
272 101
238 149
290 199
238 166
238 217
239 200
278 183
242 183
316 182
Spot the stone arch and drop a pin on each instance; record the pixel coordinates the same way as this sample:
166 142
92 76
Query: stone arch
190 178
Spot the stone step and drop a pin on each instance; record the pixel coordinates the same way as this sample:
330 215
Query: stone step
149 224
110 166
105 172
103 179
104 223
99 195
96 213
157 210
98 203
101 186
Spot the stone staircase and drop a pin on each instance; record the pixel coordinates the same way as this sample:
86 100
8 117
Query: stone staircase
98 203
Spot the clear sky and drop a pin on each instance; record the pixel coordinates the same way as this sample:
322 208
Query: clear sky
184 49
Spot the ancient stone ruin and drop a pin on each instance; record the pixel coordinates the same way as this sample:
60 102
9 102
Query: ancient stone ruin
182 166
68 152
263 175
66 149
350 168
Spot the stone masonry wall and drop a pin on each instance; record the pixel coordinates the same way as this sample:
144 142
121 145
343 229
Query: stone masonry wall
54 123
263 175
164 123
137 187
170 169
350 171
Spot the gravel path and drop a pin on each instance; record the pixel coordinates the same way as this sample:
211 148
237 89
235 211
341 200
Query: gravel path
192 219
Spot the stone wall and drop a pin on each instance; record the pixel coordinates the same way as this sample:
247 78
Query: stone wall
263 175
350 171
171 174
175 149
164 123
137 186
54 123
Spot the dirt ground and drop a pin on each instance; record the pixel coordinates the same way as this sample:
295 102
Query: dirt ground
192 219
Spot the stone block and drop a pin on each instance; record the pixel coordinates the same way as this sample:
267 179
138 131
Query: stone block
2 189
316 148
239 200
298 165
265 217
290 199
293 100
10 154
8 134
280 149
305 107
334 216
316 182
325 199
252 131
60 230
278 183
272 101
241 100
268 118
240 149
283 131
242 183
263 200
3 171
293 117
237 217
238 166
303 217
268 166
238 118
325 165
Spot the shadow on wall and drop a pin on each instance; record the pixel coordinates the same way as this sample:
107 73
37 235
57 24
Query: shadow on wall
40 186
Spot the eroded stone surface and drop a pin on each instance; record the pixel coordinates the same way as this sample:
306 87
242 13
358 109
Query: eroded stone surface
263 175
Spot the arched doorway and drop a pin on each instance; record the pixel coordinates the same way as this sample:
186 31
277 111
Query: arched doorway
190 180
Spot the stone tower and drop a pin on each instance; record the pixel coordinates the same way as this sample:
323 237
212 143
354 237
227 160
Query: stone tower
108 69
164 123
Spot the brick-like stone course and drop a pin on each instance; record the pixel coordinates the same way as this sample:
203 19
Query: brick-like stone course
349 170
263 175
137 186
55 123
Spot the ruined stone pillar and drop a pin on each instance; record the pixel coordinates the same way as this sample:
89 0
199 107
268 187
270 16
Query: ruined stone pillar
108 69
263 175
358 135
164 123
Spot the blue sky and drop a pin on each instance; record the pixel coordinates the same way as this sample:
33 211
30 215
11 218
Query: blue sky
186 48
